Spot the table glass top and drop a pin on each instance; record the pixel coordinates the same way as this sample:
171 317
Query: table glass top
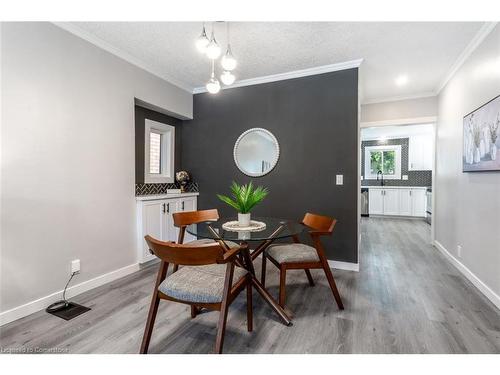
275 228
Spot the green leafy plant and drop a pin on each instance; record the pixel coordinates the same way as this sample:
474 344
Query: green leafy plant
244 197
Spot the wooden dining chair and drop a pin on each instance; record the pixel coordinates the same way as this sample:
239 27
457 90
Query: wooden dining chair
182 220
300 256
208 279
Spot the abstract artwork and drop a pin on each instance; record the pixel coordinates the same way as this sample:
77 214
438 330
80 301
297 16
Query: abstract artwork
481 148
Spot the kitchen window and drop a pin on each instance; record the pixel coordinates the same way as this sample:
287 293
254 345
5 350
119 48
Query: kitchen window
383 158
159 152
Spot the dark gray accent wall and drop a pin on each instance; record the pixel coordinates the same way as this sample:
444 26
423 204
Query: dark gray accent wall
141 114
315 121
415 178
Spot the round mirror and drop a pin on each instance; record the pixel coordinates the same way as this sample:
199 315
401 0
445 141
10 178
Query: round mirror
256 152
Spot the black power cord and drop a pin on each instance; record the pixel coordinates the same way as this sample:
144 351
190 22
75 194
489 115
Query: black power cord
59 305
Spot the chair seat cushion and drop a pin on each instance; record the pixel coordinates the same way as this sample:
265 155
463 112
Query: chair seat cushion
205 241
202 284
293 253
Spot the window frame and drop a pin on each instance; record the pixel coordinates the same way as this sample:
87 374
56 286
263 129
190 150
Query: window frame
167 152
397 161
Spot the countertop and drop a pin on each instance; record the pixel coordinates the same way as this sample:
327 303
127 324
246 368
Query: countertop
393 187
153 197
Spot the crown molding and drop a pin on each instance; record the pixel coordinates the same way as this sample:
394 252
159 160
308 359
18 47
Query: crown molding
83 34
289 75
400 97
471 47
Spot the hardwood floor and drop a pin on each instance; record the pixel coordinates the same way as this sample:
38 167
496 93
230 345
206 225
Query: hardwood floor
406 299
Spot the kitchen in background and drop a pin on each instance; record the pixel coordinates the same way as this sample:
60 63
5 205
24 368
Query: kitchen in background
396 170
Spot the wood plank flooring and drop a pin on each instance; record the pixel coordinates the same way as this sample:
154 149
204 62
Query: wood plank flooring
406 299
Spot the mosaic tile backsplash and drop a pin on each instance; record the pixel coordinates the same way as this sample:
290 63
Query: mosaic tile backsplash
149 189
415 178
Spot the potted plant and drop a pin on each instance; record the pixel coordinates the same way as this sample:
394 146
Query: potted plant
244 198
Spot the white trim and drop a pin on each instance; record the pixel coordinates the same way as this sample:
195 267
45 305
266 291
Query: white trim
91 38
347 266
41 303
289 75
471 47
402 121
483 288
400 97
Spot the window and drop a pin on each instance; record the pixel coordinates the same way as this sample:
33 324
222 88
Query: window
383 158
159 152
154 152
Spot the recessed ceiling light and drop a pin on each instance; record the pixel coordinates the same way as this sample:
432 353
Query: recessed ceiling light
402 80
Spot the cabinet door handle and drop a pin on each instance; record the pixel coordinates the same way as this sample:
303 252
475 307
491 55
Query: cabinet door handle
410 193
163 207
168 207
182 205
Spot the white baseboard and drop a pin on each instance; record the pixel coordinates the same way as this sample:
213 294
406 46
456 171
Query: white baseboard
348 266
41 303
483 288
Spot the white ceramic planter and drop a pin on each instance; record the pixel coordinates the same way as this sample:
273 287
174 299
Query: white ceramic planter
493 151
244 219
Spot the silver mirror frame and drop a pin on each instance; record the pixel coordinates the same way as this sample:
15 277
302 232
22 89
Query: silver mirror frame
273 163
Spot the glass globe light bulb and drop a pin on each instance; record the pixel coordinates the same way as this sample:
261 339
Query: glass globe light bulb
213 86
227 78
213 50
228 61
202 41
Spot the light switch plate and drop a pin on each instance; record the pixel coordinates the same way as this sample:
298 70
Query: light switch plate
405 177
340 179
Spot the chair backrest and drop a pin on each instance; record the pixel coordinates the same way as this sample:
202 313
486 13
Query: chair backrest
181 219
186 255
319 223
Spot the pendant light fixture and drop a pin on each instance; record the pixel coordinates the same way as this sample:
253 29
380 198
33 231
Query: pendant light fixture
228 61
227 78
202 41
213 49
213 85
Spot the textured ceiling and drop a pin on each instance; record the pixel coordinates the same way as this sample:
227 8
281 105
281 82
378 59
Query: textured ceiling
424 51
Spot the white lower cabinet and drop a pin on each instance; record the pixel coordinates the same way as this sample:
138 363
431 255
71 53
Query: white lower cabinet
154 217
419 202
397 201
391 202
405 202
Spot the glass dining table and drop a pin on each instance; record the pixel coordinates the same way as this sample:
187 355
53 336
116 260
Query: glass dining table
275 228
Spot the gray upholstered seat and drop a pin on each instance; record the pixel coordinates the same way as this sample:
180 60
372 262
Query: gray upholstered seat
204 241
292 253
202 284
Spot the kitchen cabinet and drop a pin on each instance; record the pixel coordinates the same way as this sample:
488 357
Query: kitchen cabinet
154 217
391 201
420 152
419 202
397 201
405 202
375 202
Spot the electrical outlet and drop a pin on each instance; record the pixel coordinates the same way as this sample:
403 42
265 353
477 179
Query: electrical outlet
75 266
459 251
340 179
405 177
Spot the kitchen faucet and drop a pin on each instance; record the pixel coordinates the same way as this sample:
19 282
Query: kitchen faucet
382 177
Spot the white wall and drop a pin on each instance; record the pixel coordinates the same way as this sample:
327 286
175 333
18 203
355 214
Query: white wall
467 207
67 184
394 111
